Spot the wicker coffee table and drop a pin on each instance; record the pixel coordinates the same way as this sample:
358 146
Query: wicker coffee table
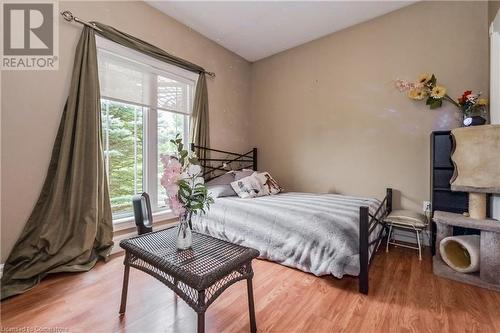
198 275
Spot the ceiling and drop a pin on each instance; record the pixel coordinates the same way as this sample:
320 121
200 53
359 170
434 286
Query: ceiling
258 29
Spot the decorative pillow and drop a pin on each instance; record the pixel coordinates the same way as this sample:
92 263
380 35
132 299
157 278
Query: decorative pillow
269 183
220 191
225 179
240 174
249 187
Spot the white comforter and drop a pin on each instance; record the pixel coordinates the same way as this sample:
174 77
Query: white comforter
316 233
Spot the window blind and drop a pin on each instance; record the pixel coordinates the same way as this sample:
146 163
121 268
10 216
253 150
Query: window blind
125 80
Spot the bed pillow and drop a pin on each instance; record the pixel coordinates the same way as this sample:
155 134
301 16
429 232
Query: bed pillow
269 184
225 179
240 174
249 187
220 191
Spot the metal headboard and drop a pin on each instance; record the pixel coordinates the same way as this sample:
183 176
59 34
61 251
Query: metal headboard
219 162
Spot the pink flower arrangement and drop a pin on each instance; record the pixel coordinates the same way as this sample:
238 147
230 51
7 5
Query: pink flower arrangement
183 182
176 206
405 86
171 175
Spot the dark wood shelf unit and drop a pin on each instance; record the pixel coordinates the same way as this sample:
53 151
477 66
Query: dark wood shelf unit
442 197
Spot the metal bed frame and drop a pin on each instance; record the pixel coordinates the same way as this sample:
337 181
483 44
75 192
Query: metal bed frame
215 167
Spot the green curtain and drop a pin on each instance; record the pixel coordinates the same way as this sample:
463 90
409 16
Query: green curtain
199 120
70 226
200 132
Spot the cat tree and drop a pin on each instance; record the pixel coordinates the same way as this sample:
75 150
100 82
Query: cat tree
476 156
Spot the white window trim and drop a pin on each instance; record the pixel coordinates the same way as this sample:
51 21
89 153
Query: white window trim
151 65
129 221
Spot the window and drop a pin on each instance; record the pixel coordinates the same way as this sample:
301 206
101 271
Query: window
144 104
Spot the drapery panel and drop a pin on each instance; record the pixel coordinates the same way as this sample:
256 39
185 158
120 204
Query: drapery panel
200 131
70 227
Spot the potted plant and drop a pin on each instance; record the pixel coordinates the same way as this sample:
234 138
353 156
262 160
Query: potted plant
187 193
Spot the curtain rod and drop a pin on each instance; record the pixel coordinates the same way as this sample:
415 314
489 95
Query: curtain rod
68 16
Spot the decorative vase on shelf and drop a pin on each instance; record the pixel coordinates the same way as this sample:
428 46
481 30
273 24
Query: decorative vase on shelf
184 234
473 121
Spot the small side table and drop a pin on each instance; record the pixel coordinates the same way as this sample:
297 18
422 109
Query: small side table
489 271
198 275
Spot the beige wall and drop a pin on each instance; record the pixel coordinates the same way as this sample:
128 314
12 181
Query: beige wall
327 118
32 101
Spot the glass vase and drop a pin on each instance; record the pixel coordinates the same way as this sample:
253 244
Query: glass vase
184 234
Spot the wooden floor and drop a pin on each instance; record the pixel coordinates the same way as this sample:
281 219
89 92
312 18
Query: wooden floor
405 297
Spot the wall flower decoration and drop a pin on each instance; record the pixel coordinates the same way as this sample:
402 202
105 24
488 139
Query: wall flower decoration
424 78
417 94
482 101
426 87
438 92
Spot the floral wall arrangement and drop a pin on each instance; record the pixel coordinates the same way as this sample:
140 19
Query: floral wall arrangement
471 105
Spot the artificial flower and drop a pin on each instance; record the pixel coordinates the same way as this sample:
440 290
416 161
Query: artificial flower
417 94
419 85
173 165
427 88
176 206
172 171
198 180
169 178
184 186
193 170
172 189
462 99
424 78
472 98
438 92
404 86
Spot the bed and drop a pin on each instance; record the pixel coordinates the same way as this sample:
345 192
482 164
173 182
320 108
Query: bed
323 234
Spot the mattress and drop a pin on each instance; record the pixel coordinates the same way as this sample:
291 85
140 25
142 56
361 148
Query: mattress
316 233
